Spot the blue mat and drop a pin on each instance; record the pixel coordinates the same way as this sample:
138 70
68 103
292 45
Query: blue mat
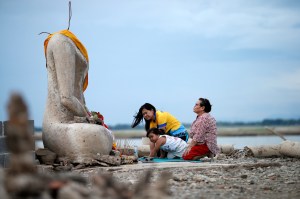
159 160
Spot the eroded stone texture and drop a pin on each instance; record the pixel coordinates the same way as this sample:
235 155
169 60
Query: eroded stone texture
67 68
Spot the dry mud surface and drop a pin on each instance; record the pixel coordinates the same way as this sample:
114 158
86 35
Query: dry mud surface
226 177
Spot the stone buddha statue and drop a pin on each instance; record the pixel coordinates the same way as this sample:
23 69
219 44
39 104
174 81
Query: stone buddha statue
67 66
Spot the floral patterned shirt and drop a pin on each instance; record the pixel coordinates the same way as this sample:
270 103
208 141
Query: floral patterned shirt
204 130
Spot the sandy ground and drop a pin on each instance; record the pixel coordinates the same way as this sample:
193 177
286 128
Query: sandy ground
226 177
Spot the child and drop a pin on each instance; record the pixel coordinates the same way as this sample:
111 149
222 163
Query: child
173 145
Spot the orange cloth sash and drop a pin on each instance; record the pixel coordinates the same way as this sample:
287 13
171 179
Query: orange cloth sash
78 44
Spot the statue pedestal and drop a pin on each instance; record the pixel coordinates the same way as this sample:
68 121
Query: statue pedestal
78 142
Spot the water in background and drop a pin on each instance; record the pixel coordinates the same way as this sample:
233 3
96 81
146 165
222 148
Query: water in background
239 142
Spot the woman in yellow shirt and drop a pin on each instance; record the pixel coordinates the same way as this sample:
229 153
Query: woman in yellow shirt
161 120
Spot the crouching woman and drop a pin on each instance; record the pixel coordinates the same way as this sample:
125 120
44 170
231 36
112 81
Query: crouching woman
203 133
173 146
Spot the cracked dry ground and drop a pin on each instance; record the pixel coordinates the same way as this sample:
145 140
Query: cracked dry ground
242 178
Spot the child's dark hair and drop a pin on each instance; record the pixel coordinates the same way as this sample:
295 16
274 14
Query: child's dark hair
205 102
155 131
139 116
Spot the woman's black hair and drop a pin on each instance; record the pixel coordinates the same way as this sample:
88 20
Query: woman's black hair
155 131
139 116
205 102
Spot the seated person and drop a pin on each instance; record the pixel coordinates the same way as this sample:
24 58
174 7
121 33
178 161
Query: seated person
203 133
174 146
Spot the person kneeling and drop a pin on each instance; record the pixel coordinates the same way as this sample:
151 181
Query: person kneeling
174 146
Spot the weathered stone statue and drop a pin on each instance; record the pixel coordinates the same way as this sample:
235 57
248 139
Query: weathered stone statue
67 68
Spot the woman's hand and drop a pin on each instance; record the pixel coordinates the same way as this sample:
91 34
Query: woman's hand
187 151
190 146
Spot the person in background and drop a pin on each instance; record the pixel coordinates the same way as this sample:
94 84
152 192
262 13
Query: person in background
174 146
203 133
161 120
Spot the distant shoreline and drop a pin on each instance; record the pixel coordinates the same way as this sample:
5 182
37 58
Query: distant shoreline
222 131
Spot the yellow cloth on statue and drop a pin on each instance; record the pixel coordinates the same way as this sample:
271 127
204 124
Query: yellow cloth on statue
78 44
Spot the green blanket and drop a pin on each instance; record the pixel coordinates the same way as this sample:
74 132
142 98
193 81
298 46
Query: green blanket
158 160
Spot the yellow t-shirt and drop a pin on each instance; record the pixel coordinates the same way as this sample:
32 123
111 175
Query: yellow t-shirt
165 119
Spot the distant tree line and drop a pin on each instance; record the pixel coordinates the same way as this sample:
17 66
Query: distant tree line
265 122
281 122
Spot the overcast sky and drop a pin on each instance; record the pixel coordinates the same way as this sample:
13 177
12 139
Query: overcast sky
244 56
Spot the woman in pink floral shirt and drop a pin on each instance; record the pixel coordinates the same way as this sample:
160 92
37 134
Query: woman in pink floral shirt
203 133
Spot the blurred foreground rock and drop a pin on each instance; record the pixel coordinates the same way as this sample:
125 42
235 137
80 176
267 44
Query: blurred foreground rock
22 179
